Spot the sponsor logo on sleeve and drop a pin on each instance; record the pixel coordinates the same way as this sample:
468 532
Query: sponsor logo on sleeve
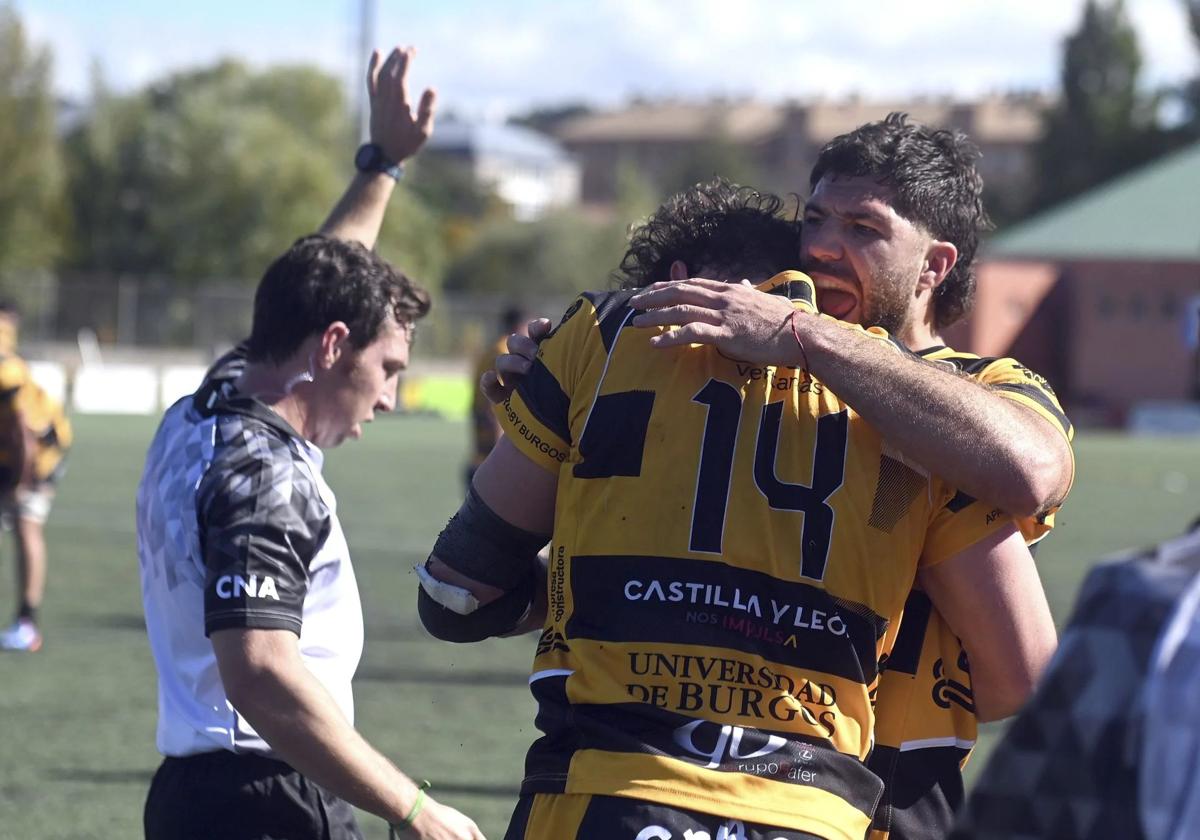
235 586
520 427
947 690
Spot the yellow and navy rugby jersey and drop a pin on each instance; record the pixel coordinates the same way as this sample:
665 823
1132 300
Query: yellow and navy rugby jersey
42 415
925 710
8 336
731 545
1010 379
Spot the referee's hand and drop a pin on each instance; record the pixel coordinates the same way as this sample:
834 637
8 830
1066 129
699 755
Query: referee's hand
441 822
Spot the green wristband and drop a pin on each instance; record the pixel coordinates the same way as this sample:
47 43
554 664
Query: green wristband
414 811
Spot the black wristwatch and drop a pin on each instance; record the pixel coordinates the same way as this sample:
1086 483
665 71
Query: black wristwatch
370 158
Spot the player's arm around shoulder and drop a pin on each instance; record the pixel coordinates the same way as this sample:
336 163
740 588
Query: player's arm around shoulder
992 598
1051 433
967 429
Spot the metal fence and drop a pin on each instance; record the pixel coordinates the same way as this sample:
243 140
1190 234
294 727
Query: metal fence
128 313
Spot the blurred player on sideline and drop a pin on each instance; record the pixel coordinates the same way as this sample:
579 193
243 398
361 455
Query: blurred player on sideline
34 438
485 428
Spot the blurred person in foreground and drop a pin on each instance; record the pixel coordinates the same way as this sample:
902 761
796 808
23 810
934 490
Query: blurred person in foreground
251 603
731 550
889 235
34 438
1109 745
485 428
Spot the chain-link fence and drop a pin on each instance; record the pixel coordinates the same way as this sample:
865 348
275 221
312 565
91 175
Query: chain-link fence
153 312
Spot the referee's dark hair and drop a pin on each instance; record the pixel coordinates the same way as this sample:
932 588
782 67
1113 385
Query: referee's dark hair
322 279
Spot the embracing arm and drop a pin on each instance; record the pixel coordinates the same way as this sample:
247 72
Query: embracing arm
359 213
267 682
992 598
978 441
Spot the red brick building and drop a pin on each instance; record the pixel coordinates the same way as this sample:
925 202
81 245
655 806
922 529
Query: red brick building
1102 293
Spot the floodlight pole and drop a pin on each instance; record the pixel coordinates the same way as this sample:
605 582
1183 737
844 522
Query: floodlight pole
366 43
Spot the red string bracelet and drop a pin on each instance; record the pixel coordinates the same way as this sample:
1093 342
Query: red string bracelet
796 335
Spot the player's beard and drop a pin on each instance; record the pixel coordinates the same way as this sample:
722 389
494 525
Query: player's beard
887 304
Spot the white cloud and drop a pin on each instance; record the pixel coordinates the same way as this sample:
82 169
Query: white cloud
1168 50
505 56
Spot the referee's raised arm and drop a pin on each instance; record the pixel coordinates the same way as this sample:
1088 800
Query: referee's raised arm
398 131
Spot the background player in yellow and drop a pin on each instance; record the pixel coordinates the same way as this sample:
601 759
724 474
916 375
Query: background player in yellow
485 428
34 438
704 610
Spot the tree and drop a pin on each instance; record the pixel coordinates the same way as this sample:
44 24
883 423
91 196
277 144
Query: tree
31 176
636 197
1189 93
460 203
559 254
447 186
1102 125
210 174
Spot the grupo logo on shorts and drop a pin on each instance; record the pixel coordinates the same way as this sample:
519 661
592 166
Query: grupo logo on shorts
743 749
725 743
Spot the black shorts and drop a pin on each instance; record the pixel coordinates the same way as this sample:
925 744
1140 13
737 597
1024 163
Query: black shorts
572 816
242 797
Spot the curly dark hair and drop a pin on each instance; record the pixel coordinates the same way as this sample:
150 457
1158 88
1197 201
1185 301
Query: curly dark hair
714 225
937 187
322 279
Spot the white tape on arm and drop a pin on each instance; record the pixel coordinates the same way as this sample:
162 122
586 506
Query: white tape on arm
454 598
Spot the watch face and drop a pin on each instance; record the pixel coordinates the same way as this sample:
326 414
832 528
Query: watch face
367 157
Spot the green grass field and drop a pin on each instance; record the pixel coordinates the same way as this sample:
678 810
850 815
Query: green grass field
77 719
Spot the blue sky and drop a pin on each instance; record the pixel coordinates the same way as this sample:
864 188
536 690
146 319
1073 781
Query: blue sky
498 57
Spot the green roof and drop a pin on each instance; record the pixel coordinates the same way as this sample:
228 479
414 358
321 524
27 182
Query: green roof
1152 213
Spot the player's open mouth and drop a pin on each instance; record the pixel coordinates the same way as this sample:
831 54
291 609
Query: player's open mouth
836 302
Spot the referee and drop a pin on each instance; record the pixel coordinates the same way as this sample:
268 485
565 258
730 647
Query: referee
251 603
